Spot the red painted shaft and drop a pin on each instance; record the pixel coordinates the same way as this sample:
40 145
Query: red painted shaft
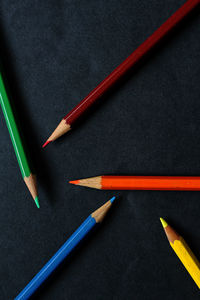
128 63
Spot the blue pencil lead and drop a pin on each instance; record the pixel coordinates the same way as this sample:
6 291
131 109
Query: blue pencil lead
112 199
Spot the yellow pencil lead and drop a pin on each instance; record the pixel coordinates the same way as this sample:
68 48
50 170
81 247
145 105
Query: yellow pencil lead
164 223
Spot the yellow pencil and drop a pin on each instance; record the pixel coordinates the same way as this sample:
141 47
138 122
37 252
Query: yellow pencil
183 251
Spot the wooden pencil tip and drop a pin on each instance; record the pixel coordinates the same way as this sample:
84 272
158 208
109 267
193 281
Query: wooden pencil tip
93 182
61 129
164 223
74 182
101 212
32 186
46 143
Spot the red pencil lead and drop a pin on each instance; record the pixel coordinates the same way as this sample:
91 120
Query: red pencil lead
46 143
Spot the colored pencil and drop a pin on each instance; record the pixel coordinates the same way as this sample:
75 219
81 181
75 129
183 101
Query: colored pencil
28 177
67 122
167 183
183 252
96 217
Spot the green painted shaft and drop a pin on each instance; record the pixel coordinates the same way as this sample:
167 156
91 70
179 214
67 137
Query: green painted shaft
13 130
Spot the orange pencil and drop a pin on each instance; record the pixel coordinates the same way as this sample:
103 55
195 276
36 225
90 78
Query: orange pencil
168 183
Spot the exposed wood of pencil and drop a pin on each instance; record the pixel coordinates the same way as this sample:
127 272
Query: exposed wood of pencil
93 182
176 183
122 69
101 212
183 251
61 129
32 185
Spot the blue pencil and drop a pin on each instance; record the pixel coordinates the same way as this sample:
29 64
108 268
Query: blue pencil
96 217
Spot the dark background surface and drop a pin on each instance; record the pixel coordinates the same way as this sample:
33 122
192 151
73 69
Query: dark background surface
54 52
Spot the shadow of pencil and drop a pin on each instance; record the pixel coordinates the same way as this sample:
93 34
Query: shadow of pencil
38 163
79 251
188 20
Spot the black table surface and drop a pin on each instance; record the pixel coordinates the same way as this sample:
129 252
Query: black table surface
54 52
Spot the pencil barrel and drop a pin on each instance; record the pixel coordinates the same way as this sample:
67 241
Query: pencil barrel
130 61
13 130
151 183
58 257
188 259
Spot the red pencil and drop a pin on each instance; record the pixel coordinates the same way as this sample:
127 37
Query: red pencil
66 123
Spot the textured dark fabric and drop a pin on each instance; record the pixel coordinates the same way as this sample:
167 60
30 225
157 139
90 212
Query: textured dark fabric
54 52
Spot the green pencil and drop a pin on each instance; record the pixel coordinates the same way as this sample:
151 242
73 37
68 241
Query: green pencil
28 177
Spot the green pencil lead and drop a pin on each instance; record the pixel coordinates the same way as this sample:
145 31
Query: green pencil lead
37 202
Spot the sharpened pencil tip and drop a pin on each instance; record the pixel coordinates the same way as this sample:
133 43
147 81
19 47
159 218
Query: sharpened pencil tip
112 199
74 182
164 223
37 202
46 143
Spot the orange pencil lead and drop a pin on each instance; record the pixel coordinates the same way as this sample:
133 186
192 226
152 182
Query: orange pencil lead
74 181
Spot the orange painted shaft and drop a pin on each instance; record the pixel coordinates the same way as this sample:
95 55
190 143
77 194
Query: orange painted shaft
171 183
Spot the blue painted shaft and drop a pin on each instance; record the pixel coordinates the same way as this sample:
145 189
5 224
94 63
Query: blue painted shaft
60 255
